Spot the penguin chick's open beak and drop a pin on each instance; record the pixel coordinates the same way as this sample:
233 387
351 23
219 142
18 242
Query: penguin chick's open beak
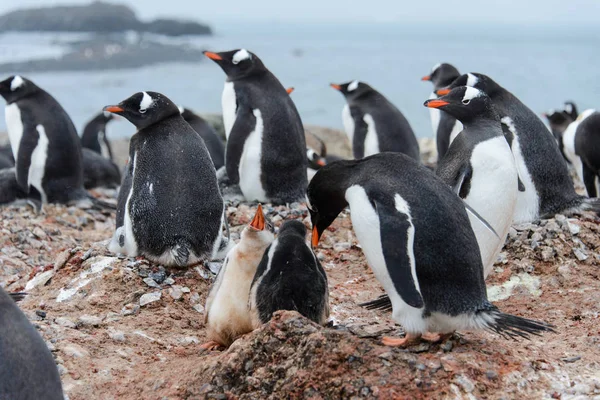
258 223
335 86
315 236
435 103
289 90
113 109
213 56
426 78
442 92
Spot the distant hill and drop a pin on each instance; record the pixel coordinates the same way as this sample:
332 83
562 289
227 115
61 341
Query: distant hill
98 16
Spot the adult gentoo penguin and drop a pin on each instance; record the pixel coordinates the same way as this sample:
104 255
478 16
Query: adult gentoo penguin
417 238
558 120
289 277
373 124
213 143
169 209
445 126
582 148
480 168
266 149
547 187
94 135
227 316
44 143
27 369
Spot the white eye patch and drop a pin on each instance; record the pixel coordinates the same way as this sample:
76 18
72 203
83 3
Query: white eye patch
146 102
310 154
568 108
470 93
353 86
16 83
181 110
472 80
240 56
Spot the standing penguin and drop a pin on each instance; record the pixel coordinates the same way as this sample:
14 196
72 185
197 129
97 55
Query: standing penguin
266 149
289 277
227 316
94 135
416 236
559 121
207 133
445 126
44 143
373 124
582 148
170 209
27 369
547 188
480 168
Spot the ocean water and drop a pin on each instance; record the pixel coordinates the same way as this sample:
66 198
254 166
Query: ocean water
543 66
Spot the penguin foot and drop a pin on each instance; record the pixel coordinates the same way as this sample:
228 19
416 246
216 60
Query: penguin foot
435 337
212 345
400 342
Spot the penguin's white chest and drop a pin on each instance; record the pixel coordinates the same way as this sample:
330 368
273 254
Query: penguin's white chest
348 122
365 222
456 129
103 147
124 233
493 194
37 167
371 139
250 167
569 142
229 106
435 115
14 125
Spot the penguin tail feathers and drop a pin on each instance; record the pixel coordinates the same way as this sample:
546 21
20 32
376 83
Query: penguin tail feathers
181 252
510 326
382 303
17 296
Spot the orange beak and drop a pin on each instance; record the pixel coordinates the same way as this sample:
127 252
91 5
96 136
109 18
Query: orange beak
213 56
442 92
289 90
336 86
436 103
321 162
315 237
426 78
258 222
113 109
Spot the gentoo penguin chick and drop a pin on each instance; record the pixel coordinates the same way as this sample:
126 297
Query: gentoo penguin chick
373 124
480 168
213 143
417 238
266 150
169 208
44 143
94 135
27 369
227 316
547 188
445 126
289 277
582 148
99 171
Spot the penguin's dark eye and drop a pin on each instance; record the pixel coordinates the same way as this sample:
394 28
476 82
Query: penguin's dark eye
466 102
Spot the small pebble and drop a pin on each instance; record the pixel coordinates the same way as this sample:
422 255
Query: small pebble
40 313
150 282
150 298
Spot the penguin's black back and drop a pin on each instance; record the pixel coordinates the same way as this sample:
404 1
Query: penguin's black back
283 159
27 369
175 192
587 142
295 281
213 143
393 130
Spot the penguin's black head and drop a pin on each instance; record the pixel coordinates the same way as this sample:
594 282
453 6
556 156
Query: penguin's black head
472 79
442 75
16 87
465 103
237 64
144 109
325 196
292 227
315 160
352 90
555 117
571 110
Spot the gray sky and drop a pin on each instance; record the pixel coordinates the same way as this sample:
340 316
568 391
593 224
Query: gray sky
340 11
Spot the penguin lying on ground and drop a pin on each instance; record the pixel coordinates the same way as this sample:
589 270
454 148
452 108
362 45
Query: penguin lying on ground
170 209
266 149
546 188
227 315
417 238
317 158
99 171
213 143
94 135
289 277
373 124
582 148
480 168
445 126
27 369
44 143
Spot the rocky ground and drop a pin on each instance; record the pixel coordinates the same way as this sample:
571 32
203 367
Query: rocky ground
128 329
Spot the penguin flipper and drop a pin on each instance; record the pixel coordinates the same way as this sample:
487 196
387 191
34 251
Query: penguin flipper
245 123
462 185
360 133
397 236
28 143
